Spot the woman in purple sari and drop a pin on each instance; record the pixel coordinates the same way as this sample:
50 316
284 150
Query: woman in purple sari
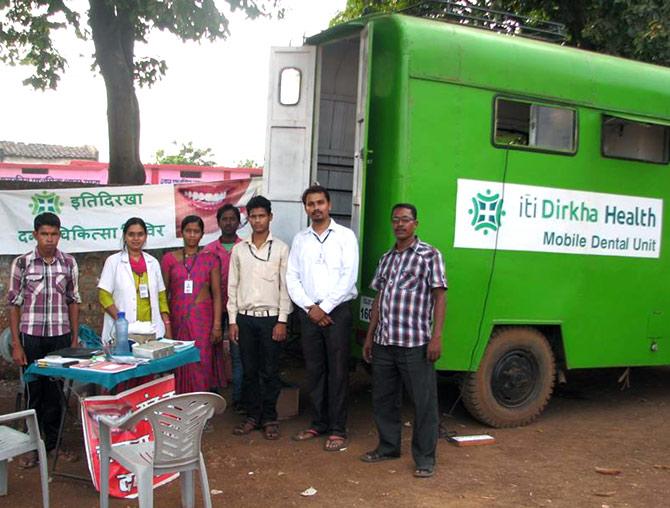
193 280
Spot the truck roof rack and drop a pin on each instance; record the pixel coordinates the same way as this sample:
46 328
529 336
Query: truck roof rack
464 13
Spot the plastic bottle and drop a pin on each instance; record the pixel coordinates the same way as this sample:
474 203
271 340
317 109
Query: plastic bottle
121 328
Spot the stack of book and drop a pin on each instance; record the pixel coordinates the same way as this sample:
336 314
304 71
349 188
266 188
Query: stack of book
179 345
153 349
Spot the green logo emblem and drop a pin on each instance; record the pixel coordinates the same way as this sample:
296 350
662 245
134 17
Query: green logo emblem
46 202
486 212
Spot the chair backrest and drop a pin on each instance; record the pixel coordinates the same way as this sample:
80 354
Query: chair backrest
6 345
178 423
10 446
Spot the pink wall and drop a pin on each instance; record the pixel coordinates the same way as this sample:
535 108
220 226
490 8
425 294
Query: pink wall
96 172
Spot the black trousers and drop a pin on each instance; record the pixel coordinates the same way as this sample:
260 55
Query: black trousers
393 367
45 394
326 351
260 363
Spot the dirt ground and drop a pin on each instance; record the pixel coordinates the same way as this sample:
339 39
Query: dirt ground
589 424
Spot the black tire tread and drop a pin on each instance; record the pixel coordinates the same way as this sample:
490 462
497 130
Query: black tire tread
472 384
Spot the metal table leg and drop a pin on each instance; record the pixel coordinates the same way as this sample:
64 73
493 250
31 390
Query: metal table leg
65 401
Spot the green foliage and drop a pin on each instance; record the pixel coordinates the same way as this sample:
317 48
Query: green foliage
27 28
188 155
637 29
25 37
357 8
249 163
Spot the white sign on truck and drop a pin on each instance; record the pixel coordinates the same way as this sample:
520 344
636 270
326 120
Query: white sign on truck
490 215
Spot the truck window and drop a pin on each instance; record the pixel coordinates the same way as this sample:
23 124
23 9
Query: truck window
534 126
289 86
640 141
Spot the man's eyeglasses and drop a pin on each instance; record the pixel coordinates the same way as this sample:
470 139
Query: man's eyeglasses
401 220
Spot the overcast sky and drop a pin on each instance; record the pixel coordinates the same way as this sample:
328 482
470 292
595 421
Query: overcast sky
214 94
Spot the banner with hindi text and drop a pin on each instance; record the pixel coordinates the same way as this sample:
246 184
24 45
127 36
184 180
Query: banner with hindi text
92 218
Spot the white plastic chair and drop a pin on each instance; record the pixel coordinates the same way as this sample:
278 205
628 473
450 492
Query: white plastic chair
177 423
14 443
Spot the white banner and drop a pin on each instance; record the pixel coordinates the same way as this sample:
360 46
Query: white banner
490 215
92 218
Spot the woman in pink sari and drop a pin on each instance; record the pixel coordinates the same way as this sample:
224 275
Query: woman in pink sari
193 280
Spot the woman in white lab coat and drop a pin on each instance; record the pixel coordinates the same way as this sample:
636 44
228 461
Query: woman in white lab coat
131 282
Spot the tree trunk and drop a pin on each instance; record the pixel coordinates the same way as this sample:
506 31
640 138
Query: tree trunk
114 39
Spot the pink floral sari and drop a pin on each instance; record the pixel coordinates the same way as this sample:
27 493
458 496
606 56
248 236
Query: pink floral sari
193 321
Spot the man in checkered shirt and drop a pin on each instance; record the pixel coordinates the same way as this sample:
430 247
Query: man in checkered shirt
43 299
404 340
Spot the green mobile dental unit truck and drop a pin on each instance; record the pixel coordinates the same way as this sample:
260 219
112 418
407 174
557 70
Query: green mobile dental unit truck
539 171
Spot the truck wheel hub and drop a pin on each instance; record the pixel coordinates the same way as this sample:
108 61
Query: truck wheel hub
514 378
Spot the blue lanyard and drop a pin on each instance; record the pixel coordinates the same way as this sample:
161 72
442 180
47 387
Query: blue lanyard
189 270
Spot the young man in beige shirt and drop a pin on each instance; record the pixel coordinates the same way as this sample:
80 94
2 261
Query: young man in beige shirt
258 308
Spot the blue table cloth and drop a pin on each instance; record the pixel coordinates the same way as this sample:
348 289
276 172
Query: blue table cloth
110 380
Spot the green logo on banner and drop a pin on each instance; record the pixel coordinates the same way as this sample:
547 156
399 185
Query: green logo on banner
46 202
486 212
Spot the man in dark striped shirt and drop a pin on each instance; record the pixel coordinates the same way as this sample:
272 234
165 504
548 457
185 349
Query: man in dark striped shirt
404 340
43 300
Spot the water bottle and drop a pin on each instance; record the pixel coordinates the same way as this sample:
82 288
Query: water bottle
121 328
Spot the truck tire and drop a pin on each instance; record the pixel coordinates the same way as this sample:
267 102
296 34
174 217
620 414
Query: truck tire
514 381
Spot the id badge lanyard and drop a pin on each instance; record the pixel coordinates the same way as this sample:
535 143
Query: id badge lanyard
322 258
259 258
144 290
188 283
141 287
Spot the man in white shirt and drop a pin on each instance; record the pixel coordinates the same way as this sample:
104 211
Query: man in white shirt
258 308
321 280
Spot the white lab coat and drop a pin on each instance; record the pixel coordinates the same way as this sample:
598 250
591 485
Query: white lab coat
117 279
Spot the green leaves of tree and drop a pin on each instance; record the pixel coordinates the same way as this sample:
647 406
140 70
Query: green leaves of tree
27 28
115 26
187 155
357 8
637 29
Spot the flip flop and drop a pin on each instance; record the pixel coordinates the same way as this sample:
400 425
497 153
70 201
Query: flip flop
306 435
335 444
245 428
424 472
66 456
271 431
29 460
375 456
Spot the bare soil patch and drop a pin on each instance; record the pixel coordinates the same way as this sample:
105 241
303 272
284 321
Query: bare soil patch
589 424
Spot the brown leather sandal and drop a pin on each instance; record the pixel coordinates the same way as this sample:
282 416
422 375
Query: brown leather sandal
66 455
335 444
245 428
271 431
29 460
